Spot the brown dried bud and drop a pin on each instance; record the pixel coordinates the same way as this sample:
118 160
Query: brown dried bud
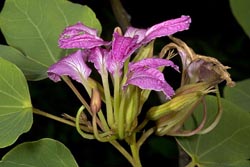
199 68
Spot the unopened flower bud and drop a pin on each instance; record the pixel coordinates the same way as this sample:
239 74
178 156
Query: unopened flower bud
185 96
95 102
171 115
118 30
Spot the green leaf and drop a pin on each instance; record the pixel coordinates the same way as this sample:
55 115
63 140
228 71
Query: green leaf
33 27
30 68
228 145
240 94
41 153
240 10
15 104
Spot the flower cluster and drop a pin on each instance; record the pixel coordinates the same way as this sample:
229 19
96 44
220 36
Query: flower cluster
113 55
128 72
200 76
132 79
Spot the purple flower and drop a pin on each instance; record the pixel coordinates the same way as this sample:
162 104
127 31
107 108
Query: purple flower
113 58
145 75
165 28
80 36
124 46
72 65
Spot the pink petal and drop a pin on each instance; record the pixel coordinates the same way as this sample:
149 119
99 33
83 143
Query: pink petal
80 27
151 79
72 65
80 36
98 56
167 28
152 63
122 48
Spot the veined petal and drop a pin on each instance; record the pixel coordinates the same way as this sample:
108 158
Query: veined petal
150 78
152 63
72 65
98 56
113 65
167 28
78 27
80 36
122 48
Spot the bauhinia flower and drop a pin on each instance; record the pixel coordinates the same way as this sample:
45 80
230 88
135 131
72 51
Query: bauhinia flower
133 79
72 65
124 46
81 36
112 59
145 75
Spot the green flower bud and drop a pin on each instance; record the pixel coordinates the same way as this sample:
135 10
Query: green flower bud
185 96
171 115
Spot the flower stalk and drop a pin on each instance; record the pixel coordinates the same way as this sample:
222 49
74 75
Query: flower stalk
108 99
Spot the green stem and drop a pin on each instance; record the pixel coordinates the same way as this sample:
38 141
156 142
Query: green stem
119 115
56 118
76 92
79 96
99 137
105 126
77 124
121 119
135 151
59 119
142 125
123 152
120 13
132 107
110 115
144 137
218 116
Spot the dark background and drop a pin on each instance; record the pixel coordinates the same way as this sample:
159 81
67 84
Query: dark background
213 31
